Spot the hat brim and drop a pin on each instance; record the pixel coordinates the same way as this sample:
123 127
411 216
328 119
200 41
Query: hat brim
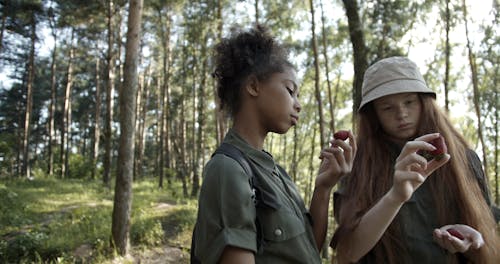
395 87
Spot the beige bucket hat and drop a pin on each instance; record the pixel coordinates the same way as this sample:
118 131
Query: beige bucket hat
392 76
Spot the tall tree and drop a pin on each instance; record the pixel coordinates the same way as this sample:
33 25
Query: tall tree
359 51
220 121
123 188
97 118
53 89
66 115
475 88
110 89
30 69
316 76
327 69
447 53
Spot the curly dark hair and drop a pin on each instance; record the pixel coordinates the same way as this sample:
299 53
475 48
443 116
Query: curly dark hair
243 54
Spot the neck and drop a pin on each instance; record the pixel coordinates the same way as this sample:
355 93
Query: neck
250 132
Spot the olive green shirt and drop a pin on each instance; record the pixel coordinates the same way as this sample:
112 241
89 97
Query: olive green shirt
227 214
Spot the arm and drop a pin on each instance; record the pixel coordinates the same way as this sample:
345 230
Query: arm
336 162
236 255
411 170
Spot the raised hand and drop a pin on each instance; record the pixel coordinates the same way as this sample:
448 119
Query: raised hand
336 161
411 169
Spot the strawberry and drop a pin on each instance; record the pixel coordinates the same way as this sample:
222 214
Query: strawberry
341 134
438 153
441 148
455 233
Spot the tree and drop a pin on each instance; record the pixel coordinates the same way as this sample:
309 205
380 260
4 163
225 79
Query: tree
475 88
359 51
123 187
316 76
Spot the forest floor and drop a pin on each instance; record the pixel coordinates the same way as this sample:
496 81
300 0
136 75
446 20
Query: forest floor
68 221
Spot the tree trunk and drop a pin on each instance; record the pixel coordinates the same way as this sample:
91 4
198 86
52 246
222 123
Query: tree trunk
164 151
327 71
316 78
52 104
359 51
110 88
497 195
123 188
447 58
2 29
97 119
476 95
220 121
29 100
141 123
256 6
66 123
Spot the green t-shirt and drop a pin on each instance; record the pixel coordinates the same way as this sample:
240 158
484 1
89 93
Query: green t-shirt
227 213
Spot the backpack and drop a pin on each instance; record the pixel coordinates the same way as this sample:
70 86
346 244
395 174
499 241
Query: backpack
236 154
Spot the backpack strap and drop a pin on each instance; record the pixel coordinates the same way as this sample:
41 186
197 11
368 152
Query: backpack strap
236 154
233 152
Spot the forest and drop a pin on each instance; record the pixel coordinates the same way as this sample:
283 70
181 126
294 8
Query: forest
108 108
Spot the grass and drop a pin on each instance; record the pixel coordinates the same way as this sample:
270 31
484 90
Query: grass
45 220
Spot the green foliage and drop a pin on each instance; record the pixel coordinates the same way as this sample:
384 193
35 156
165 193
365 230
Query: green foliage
46 220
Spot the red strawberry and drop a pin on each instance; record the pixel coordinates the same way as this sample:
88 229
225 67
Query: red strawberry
437 154
341 134
441 148
455 233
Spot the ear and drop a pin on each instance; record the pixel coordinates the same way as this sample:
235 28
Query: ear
252 85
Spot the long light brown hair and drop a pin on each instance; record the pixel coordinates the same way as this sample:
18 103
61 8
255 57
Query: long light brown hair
455 189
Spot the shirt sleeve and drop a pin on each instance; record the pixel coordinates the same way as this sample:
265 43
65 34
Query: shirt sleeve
226 214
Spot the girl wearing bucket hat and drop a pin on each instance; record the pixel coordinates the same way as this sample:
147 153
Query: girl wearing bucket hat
397 206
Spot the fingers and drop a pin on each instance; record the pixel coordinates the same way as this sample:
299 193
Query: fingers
453 243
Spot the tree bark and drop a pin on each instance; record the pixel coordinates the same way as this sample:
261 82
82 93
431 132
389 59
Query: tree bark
110 89
447 58
316 77
359 51
476 95
123 188
52 104
66 113
97 118
220 121
29 99
327 71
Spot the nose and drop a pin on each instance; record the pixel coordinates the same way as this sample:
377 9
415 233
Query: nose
402 112
296 105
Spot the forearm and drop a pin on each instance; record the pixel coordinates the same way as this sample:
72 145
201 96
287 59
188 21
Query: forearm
370 229
319 212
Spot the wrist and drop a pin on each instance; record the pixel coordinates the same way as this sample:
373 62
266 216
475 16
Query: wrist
323 190
393 199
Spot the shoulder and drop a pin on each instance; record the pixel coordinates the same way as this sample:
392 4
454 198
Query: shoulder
221 169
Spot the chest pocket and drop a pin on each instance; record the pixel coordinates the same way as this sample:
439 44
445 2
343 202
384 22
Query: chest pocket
279 225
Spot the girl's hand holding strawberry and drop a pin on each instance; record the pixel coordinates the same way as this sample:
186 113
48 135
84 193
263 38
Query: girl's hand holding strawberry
458 238
412 169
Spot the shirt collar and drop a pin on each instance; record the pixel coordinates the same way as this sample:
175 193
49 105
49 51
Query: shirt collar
260 157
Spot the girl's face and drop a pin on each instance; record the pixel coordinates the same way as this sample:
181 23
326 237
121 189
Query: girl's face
279 106
399 114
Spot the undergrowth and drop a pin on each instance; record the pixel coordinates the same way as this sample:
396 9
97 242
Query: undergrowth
46 220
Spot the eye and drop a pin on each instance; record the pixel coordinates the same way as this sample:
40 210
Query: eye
290 90
408 102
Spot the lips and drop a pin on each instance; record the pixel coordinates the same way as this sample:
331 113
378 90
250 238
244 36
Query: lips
295 119
404 126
